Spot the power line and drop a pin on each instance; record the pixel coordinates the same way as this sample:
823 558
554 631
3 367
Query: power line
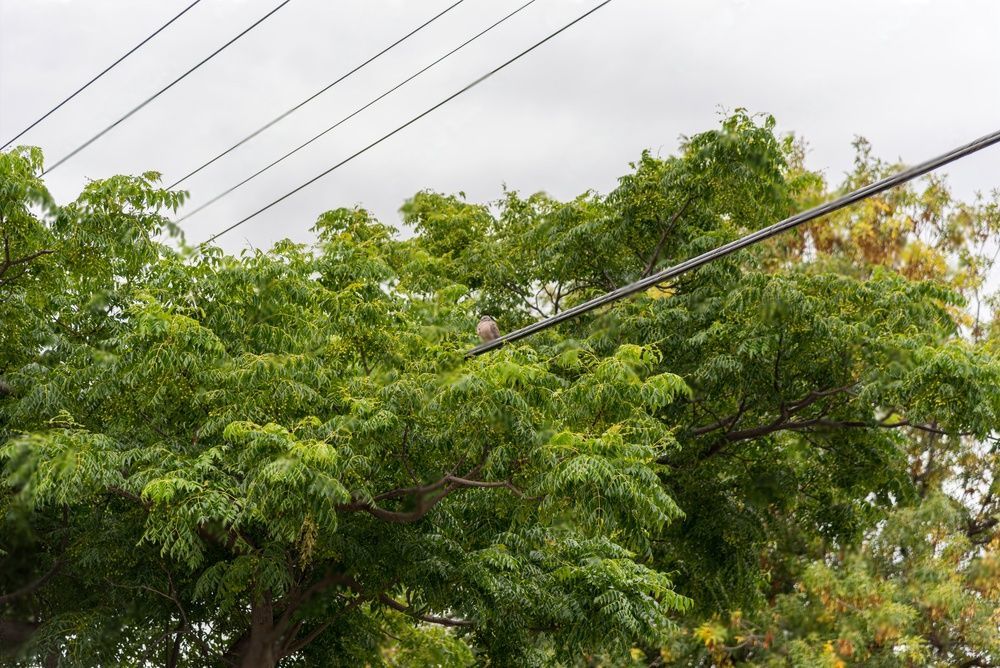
408 123
738 244
315 95
165 88
103 72
352 114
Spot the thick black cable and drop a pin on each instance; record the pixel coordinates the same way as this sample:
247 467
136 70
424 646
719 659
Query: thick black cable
103 72
166 88
407 123
352 114
748 240
315 95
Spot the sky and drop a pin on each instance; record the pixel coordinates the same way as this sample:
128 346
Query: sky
915 77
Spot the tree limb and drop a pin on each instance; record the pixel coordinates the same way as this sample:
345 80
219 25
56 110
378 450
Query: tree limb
289 647
507 484
32 586
302 596
781 424
312 635
9 262
424 506
787 421
430 619
654 258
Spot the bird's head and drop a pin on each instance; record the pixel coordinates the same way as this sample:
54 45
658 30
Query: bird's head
486 318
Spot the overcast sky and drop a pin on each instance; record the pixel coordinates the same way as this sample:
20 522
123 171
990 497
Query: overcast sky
916 77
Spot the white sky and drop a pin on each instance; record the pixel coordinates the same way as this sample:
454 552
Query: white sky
916 77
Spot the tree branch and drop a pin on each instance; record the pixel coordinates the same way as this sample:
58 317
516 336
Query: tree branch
312 635
302 596
785 421
654 258
443 487
781 424
32 586
424 506
9 262
289 647
786 410
507 484
524 298
412 491
430 619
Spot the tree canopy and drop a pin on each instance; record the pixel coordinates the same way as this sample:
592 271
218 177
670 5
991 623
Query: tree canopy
282 457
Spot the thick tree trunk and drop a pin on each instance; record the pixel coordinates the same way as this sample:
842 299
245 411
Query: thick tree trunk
258 648
259 655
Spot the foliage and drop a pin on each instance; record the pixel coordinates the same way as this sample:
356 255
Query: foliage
283 458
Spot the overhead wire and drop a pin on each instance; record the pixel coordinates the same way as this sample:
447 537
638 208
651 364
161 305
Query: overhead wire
408 123
738 244
99 75
316 94
165 88
354 113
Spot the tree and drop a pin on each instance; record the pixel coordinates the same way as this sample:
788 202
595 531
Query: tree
266 458
917 582
283 458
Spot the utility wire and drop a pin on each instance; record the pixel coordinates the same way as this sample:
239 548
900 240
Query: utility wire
165 88
352 114
738 244
408 123
315 95
103 72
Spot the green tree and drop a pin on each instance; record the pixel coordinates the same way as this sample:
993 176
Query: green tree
918 582
283 457
271 458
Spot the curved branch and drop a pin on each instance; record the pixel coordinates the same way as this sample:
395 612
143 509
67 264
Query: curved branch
448 484
412 491
506 484
430 619
424 506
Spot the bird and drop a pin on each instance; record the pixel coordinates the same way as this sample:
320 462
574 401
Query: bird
487 329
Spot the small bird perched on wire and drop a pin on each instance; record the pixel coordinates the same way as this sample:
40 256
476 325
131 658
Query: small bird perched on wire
487 329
